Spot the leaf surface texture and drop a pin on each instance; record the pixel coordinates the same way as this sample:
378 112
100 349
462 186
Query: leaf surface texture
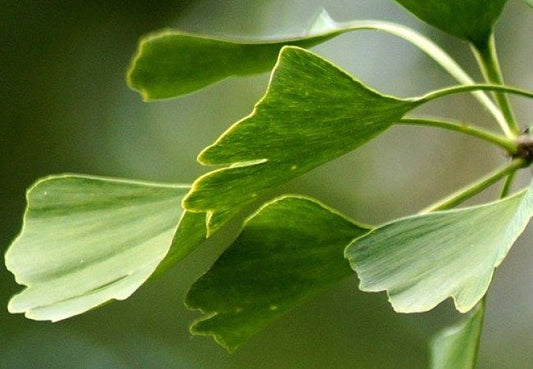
87 240
289 251
424 259
312 113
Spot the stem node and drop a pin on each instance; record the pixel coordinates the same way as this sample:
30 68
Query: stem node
524 146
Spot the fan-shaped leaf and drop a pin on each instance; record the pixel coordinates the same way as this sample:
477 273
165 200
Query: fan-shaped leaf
87 240
312 112
288 251
172 63
422 260
471 20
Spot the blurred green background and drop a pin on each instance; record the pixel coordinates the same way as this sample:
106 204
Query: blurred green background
65 107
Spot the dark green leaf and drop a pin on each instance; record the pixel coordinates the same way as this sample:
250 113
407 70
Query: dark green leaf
312 112
87 240
170 63
456 347
422 260
288 251
173 63
471 20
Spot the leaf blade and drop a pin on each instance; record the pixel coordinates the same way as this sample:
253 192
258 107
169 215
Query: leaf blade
87 240
422 260
285 254
471 20
312 113
168 59
172 63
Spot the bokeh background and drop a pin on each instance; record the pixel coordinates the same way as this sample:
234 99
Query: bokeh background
65 107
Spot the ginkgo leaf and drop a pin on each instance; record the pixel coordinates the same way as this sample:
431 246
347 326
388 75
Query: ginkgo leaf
529 2
424 259
312 113
290 250
471 20
87 240
456 347
173 63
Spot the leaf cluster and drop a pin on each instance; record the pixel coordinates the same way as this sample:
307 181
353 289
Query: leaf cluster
87 240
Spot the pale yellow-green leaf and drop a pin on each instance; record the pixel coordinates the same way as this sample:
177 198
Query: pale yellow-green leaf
424 259
88 240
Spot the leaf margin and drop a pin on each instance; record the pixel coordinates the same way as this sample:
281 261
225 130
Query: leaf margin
34 189
527 200
207 314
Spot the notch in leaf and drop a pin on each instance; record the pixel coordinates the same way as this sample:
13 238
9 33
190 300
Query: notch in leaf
424 259
289 251
312 112
88 240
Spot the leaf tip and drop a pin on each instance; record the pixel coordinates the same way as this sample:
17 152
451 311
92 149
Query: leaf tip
12 307
203 156
463 308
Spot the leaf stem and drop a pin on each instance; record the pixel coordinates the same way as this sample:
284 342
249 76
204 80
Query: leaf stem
469 88
505 143
487 59
506 188
434 51
476 187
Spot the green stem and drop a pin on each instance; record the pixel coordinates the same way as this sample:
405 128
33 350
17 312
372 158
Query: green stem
507 144
469 88
488 62
476 187
506 188
432 50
